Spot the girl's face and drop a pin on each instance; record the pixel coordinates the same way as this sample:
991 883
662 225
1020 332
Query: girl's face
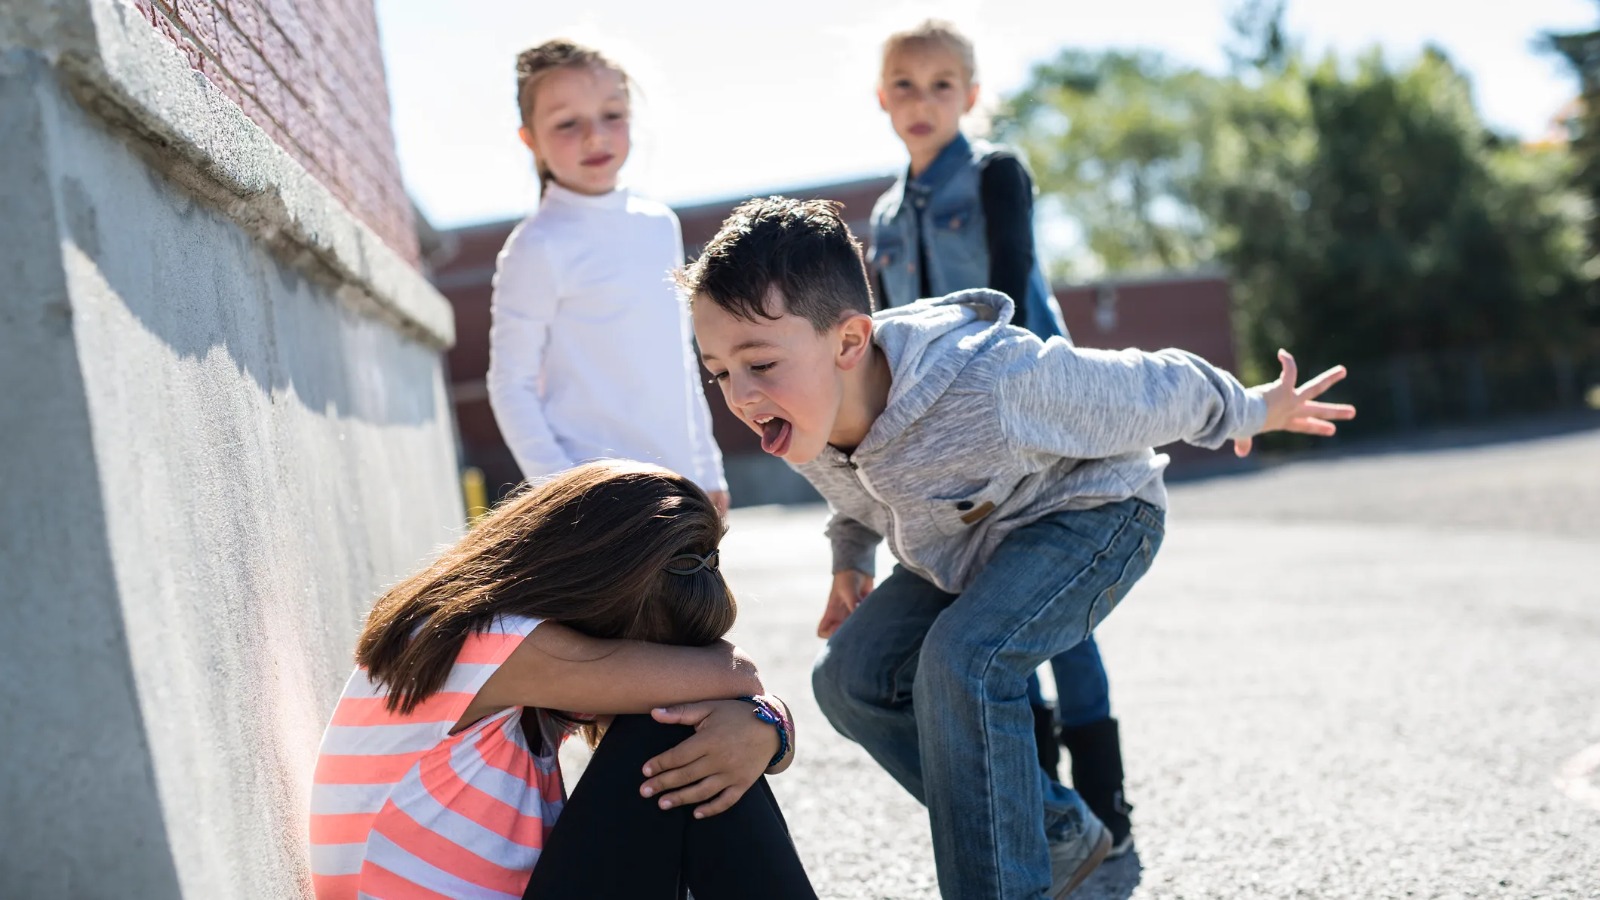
925 91
579 129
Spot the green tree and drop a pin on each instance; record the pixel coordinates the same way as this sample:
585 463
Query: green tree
1363 211
1581 50
1116 140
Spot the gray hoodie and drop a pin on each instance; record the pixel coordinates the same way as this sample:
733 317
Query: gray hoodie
988 429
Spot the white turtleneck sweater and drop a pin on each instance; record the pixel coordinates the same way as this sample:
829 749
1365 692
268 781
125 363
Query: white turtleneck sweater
590 351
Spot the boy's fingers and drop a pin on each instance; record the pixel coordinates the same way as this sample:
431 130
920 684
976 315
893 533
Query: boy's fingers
1291 372
1241 447
672 779
1319 385
838 609
719 804
1328 410
829 624
1311 426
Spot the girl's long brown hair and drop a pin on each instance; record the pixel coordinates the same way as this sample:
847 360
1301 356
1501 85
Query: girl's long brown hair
589 548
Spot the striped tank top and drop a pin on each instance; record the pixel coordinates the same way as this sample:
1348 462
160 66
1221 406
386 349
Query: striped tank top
401 808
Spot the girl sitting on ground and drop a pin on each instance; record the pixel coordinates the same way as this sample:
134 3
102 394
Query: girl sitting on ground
590 603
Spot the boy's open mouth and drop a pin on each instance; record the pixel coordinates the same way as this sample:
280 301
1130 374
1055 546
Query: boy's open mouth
775 434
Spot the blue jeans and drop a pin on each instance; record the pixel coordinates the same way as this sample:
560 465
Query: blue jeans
1083 694
963 661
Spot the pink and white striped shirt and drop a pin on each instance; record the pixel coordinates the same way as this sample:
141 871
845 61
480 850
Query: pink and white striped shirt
401 808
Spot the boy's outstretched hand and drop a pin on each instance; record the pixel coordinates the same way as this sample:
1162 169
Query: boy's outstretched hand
1291 408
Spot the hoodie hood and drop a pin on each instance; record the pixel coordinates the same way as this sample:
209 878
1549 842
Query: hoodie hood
927 344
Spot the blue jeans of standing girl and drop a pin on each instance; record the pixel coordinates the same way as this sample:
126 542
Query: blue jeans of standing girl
934 686
1082 693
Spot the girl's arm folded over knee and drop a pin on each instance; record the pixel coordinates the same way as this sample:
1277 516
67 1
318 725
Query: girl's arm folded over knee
556 667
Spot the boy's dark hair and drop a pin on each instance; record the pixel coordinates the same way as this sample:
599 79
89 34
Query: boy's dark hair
802 248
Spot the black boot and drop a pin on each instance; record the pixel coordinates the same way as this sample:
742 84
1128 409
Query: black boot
1096 751
1044 734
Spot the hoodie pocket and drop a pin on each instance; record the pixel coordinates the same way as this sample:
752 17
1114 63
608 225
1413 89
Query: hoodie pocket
957 512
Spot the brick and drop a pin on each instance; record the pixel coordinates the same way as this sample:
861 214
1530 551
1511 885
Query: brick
236 55
199 18
285 16
315 137
252 109
269 93
294 119
275 51
335 90
340 168
286 61
224 82
166 24
246 17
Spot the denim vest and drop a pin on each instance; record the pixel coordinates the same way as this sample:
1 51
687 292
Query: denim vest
944 208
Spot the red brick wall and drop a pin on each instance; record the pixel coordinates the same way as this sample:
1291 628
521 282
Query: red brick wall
1193 313
310 73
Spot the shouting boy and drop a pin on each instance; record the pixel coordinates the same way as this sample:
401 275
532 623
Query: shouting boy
1015 482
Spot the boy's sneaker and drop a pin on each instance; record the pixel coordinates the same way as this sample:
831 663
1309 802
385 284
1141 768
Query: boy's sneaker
1073 860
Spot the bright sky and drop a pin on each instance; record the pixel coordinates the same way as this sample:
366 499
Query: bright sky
744 97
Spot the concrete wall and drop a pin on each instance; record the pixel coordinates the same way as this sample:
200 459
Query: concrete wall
224 427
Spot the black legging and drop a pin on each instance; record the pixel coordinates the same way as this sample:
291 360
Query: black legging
611 842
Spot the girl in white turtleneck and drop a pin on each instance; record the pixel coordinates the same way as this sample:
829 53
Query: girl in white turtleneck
590 352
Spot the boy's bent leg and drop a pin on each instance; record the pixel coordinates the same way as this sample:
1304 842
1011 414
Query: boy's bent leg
863 677
1044 590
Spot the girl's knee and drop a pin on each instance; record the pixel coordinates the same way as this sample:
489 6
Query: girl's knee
641 737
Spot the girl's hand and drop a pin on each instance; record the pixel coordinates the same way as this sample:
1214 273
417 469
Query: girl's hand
1297 409
730 749
849 589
